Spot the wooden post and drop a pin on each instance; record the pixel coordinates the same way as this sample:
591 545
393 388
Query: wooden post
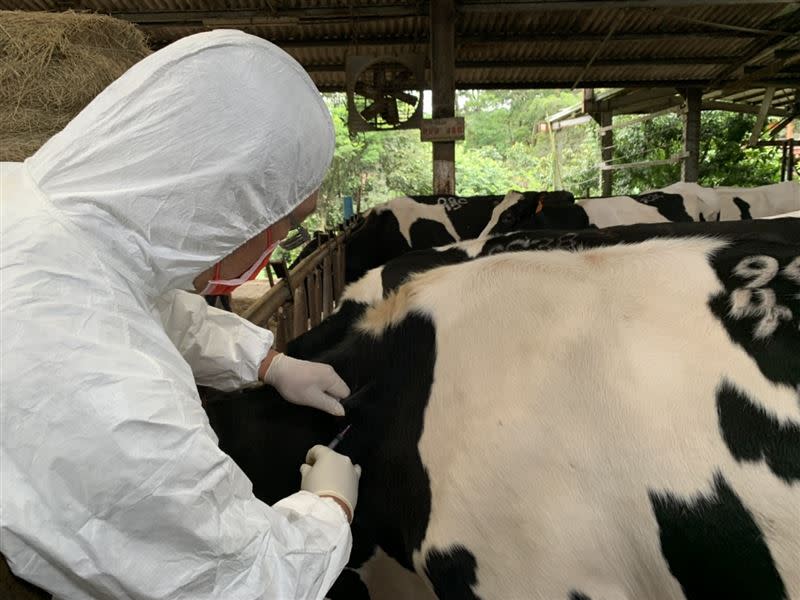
606 152
443 87
690 169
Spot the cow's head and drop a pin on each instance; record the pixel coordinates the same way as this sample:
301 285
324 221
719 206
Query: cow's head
526 210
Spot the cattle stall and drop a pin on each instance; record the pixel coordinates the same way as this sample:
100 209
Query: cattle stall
307 293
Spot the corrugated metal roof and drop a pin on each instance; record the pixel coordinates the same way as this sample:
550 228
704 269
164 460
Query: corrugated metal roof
545 43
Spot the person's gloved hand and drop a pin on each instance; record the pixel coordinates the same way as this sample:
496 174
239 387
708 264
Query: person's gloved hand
307 383
332 475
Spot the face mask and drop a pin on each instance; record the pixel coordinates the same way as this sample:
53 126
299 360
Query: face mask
224 287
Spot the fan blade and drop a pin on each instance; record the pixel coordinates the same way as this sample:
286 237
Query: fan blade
405 97
372 111
390 114
367 91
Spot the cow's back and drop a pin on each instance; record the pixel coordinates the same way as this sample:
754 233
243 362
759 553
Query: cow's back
598 424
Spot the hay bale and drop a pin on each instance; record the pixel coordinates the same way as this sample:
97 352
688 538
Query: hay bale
51 66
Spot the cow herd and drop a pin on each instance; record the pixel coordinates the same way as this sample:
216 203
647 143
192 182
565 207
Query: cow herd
559 400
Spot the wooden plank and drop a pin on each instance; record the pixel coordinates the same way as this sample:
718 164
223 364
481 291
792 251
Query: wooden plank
314 298
443 87
300 313
327 286
742 108
645 163
762 116
281 335
339 273
641 119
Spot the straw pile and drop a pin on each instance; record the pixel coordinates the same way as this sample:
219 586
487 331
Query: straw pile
51 66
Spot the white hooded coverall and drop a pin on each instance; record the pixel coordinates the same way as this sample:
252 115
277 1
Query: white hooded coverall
113 485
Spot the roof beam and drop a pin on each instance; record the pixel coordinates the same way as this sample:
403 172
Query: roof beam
468 6
762 116
742 108
399 9
791 17
467 39
557 63
500 84
773 68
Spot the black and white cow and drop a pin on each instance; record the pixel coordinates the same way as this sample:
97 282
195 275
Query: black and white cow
606 421
379 282
680 202
416 222
726 203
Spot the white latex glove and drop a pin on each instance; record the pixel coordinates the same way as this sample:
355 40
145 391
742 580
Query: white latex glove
307 383
328 473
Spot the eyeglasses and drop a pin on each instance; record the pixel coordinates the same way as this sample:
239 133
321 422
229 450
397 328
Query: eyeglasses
300 237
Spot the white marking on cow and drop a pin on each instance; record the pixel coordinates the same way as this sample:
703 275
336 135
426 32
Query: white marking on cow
762 269
567 385
451 203
386 579
619 210
510 199
564 242
789 215
754 300
408 211
764 201
368 289
762 303
792 271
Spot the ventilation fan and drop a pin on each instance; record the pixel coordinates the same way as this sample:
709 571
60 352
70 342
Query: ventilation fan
384 93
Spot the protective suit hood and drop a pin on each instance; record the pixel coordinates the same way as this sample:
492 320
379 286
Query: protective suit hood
193 151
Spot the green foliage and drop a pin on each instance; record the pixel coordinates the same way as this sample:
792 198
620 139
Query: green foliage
504 149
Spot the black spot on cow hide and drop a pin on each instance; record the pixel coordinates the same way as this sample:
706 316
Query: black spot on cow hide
452 573
426 234
398 366
348 587
396 272
744 208
328 333
578 596
468 214
752 435
670 206
714 548
373 244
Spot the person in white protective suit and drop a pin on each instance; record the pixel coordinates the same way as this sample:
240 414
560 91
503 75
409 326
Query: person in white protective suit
113 486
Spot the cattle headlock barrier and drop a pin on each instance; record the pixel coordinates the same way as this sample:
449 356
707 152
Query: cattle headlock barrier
307 293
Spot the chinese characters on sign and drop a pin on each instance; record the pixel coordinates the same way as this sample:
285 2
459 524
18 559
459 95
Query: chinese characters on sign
442 130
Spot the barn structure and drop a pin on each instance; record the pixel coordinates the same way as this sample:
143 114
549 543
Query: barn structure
739 55
689 52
